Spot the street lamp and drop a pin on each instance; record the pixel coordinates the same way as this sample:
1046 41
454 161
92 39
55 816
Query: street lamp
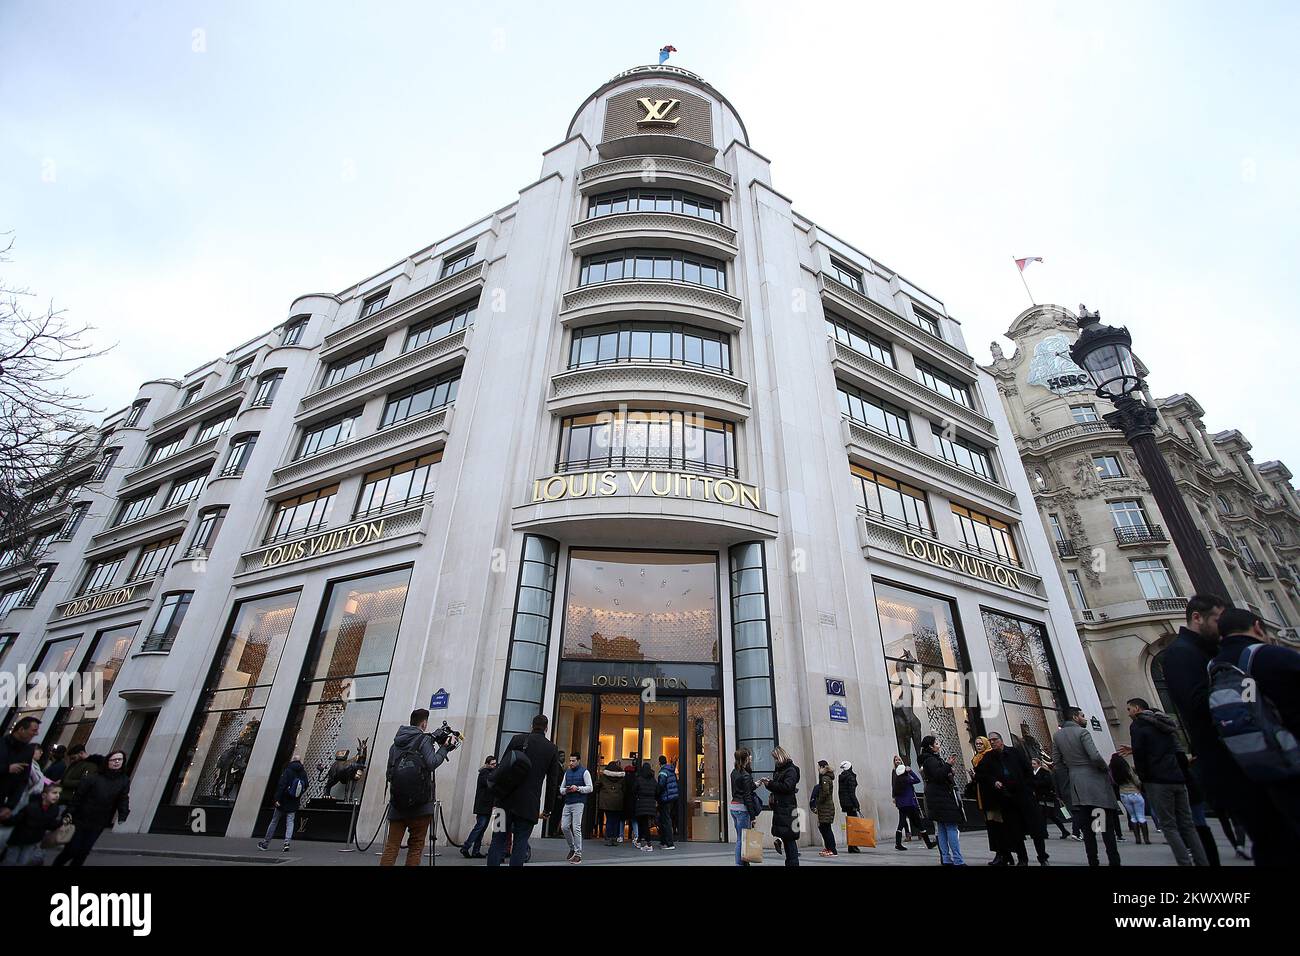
1107 354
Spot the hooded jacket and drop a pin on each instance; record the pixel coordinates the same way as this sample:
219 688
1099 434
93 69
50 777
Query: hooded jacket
941 804
609 788
826 796
849 790
903 782
483 792
1154 737
783 787
284 789
413 738
646 791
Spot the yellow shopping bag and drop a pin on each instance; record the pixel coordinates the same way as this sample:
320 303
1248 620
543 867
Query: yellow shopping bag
861 831
751 851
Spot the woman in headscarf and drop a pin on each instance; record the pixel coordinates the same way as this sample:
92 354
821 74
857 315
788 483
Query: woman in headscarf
988 803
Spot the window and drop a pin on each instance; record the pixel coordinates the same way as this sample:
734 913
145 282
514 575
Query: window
205 532
302 515
965 455
171 614
334 431
43 541
1277 535
1243 547
875 413
10 599
654 200
944 384
213 427
105 466
1225 506
73 521
134 415
6 642
186 488
10 556
1076 590
1084 414
985 535
924 321
653 264
37 586
267 386
1129 514
751 654
241 371
1028 680
373 303
890 500
457 262
1153 578
74 721
398 485
134 508
430 330
1058 530
420 398
650 342
847 275
647 439
100 575
1107 466
294 330
530 637
238 456
859 339
1278 614
164 448
153 558
354 364
191 394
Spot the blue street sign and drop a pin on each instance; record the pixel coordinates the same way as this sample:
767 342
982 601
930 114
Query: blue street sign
835 686
839 712
439 700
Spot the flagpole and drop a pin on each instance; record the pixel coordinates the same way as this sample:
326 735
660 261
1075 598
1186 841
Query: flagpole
1023 281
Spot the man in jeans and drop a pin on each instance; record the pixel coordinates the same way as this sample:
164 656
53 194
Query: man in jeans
473 845
575 787
521 807
1155 758
667 792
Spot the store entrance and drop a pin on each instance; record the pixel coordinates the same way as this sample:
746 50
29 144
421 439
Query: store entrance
627 729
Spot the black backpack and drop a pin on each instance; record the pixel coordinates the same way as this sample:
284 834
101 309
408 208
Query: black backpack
410 782
510 773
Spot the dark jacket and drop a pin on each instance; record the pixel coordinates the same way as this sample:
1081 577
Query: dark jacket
1154 737
284 797
784 787
826 796
609 788
73 777
526 801
646 790
666 781
33 821
12 785
849 792
56 770
1276 670
483 792
941 804
904 786
413 738
1044 787
742 785
629 790
101 797
1010 767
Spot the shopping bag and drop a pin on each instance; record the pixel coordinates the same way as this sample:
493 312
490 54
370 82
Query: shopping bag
59 837
861 831
752 849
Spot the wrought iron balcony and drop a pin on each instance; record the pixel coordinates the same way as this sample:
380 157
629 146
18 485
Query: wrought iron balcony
1260 570
1222 542
1066 549
1140 534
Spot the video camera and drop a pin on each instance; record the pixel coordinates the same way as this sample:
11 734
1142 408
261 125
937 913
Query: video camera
444 736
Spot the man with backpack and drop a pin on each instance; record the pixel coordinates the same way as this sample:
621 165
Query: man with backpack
411 761
288 792
529 767
1254 699
666 793
1155 758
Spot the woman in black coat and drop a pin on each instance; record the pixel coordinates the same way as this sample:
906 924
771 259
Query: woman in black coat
100 798
645 794
942 805
784 785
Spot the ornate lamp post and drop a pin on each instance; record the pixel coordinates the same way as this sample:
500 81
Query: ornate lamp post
1107 354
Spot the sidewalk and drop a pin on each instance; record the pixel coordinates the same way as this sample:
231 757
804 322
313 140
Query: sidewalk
147 849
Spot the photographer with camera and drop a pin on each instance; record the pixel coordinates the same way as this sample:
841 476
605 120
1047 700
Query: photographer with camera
411 761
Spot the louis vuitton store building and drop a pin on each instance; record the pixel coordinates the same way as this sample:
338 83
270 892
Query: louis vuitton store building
646 451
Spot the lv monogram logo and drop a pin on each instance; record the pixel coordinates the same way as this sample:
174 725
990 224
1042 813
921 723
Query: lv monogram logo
656 111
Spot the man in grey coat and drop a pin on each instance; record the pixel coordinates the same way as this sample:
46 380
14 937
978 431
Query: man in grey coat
416 820
1088 789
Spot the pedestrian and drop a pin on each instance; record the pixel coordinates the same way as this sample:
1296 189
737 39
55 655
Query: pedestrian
472 848
1271 672
289 791
519 795
31 823
629 801
824 805
412 759
609 800
1045 794
1155 751
1128 789
744 799
1005 772
102 798
575 787
646 805
16 755
942 802
80 766
848 786
903 781
1088 789
986 800
1197 803
667 793
783 785
58 763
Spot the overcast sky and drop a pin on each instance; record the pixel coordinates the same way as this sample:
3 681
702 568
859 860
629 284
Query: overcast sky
176 174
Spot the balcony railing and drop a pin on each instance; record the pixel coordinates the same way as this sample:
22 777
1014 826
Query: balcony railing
1284 574
1066 549
1260 570
1222 542
646 463
1140 534
1167 604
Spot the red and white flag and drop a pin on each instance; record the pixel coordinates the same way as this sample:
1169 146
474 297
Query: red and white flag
1021 263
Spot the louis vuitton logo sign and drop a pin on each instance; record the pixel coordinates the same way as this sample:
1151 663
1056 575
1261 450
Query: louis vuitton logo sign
656 111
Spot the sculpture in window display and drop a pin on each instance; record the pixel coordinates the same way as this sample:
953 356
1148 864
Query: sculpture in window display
344 771
234 761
